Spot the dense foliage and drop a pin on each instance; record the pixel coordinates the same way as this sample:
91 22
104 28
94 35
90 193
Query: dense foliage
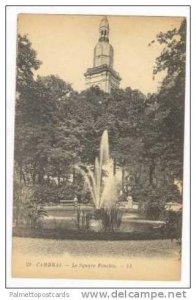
57 127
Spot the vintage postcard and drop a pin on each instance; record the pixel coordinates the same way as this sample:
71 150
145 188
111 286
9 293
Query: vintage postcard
98 154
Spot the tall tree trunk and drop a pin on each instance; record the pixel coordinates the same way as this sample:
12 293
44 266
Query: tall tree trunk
41 175
33 177
59 180
22 176
114 167
74 175
123 178
151 172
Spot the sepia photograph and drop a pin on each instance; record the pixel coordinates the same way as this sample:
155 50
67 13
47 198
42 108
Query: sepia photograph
99 147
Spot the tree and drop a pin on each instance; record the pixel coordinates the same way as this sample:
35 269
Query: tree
170 99
162 135
26 62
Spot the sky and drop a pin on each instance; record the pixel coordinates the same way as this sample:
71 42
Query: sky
65 44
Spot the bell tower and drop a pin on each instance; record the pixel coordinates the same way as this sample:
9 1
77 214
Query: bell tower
102 73
104 30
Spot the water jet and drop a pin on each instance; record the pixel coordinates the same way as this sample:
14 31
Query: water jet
103 186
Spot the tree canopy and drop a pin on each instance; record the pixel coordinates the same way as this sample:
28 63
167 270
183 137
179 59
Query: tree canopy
57 127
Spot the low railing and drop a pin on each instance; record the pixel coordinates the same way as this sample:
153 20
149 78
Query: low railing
69 202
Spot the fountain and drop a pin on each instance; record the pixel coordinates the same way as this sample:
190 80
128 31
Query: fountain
102 185
107 215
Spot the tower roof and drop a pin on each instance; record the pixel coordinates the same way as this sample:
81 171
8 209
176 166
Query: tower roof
104 22
104 30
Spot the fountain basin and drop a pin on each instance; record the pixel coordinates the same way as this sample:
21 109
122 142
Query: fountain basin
95 225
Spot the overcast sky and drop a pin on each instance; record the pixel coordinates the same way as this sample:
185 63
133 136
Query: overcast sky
65 46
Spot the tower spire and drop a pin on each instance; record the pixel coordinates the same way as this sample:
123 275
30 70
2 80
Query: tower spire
104 30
